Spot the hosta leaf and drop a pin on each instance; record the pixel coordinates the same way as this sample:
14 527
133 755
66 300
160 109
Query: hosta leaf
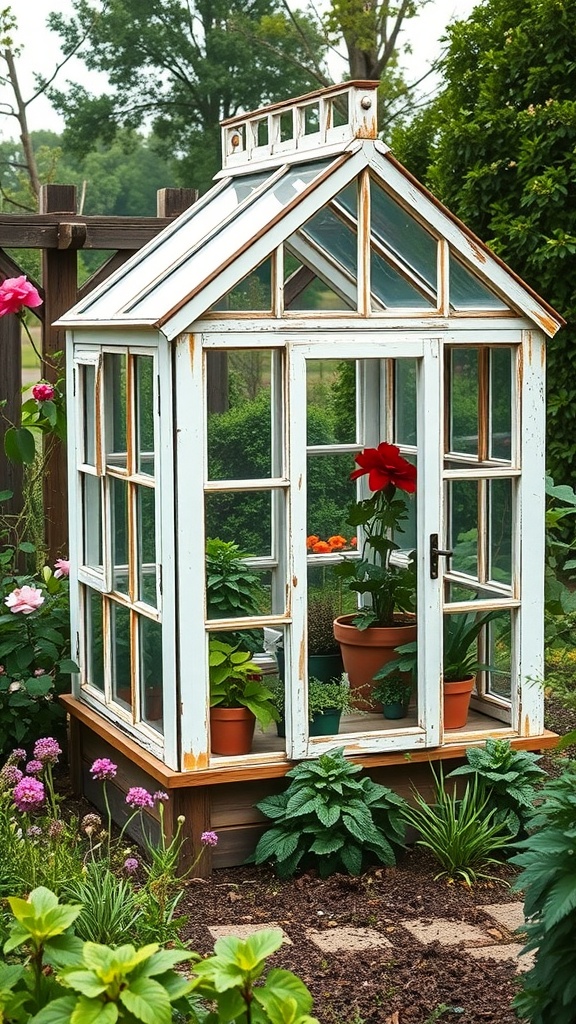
328 843
328 815
352 858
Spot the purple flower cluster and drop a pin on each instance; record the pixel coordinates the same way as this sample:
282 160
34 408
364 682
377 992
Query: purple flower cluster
131 865
139 798
10 776
28 794
209 839
160 797
34 768
47 750
103 768
90 822
18 754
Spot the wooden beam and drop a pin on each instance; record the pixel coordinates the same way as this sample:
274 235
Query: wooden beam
41 231
171 202
11 383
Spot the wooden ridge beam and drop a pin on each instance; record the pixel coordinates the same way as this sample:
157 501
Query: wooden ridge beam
47 230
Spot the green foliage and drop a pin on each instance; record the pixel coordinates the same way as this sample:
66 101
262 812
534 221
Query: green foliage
331 820
498 147
228 978
110 907
235 682
462 833
548 880
508 778
233 588
35 664
322 696
321 612
560 600
395 688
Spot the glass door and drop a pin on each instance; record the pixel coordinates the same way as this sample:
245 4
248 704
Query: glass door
347 397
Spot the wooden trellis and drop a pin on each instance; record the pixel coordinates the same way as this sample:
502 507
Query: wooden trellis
60 233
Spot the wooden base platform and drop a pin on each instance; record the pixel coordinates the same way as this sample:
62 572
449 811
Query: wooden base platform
222 798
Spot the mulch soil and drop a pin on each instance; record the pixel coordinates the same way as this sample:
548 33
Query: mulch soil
412 983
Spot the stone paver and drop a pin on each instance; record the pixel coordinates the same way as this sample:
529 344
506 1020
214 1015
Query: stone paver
509 915
448 933
244 931
349 939
506 951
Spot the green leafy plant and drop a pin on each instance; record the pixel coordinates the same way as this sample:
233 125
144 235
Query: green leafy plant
110 906
322 610
508 778
548 880
329 695
235 681
35 663
330 819
228 980
233 588
461 832
395 688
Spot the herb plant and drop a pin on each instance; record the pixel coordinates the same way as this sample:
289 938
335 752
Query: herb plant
508 778
461 832
235 681
548 879
330 819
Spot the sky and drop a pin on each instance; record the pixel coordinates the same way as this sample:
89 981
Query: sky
41 52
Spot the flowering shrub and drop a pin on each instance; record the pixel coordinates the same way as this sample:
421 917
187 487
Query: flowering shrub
390 588
317 546
44 413
35 663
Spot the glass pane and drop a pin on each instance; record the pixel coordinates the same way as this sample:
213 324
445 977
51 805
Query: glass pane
467 292
304 290
499 656
463 505
501 403
464 401
253 293
335 237
399 231
329 495
331 394
500 498
147 570
119 534
88 391
144 379
92 503
151 700
120 637
405 401
240 426
116 408
234 588
94 640
391 289
242 517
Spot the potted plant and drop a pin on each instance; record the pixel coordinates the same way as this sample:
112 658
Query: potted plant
238 698
369 638
232 589
327 702
324 655
393 693
459 664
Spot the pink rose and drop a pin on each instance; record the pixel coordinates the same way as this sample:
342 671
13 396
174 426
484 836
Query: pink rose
62 567
17 292
43 392
24 599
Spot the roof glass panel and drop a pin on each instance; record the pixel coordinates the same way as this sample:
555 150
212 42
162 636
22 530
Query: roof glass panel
305 290
392 289
176 241
335 237
467 292
187 276
253 293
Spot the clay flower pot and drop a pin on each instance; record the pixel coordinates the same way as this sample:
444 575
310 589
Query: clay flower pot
457 702
364 651
231 730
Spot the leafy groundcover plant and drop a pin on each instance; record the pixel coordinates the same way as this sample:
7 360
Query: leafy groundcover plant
331 819
64 979
548 879
508 779
461 832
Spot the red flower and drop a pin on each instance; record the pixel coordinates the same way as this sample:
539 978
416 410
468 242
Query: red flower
385 466
321 548
337 542
312 540
17 292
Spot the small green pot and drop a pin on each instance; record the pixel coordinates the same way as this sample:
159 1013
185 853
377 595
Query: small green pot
396 709
325 723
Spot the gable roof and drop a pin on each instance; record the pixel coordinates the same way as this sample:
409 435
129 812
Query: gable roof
173 280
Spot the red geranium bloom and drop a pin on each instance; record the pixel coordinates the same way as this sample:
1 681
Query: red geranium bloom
385 466
337 542
321 548
312 540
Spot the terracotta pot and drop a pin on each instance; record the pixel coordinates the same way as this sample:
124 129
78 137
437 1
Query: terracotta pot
231 730
364 651
457 702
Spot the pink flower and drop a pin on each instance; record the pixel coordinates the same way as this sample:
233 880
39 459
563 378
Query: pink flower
24 599
17 292
34 768
47 750
209 839
28 794
62 566
103 768
43 392
10 776
130 865
160 797
137 797
18 754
